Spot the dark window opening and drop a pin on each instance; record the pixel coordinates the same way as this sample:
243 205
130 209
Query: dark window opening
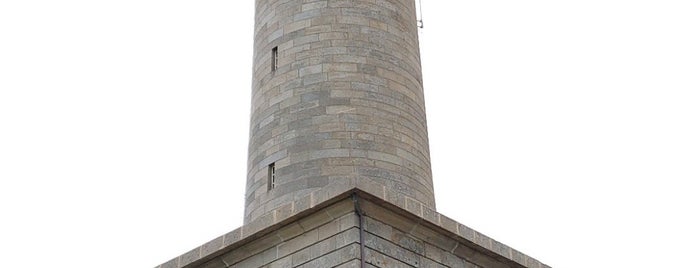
271 177
275 58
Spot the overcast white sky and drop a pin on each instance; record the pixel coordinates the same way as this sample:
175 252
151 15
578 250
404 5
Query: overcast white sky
565 129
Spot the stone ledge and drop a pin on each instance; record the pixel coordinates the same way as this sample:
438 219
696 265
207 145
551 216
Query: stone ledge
324 197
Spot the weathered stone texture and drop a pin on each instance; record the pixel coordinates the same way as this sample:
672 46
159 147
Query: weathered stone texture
398 241
346 100
327 237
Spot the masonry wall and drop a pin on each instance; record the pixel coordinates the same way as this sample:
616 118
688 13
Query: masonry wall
326 238
343 102
329 234
394 240
330 237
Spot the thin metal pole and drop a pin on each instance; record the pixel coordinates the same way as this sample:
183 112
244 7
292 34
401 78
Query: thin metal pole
422 24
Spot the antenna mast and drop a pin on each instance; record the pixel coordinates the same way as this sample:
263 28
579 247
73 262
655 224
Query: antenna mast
420 23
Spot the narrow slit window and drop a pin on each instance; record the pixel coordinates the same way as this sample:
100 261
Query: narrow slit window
271 177
275 58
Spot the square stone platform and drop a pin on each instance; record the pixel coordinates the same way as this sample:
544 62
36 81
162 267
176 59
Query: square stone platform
342 224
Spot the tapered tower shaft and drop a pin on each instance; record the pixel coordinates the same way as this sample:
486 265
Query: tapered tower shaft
337 97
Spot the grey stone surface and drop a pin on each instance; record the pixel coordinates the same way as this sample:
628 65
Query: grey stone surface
348 87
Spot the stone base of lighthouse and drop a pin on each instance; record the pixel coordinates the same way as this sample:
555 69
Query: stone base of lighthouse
350 224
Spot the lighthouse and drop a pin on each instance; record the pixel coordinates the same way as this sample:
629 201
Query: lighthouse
339 170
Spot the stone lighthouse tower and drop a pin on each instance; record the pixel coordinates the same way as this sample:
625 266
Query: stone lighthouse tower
338 161
337 98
